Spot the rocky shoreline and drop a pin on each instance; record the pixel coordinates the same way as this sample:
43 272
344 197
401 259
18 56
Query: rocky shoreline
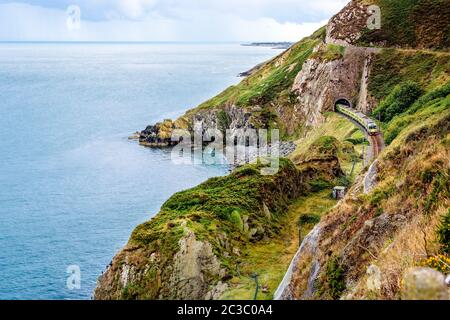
149 138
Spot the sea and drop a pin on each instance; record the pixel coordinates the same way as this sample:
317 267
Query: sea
72 186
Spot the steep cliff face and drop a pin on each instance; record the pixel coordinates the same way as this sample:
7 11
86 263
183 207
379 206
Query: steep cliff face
322 81
346 27
191 249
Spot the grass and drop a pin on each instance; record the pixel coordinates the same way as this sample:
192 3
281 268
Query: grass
434 102
270 259
411 23
398 101
392 67
349 136
334 126
236 213
444 234
329 52
271 80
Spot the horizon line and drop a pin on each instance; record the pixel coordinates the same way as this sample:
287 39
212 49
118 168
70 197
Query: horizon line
145 42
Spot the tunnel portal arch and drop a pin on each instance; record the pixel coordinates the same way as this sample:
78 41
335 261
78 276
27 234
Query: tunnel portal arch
344 101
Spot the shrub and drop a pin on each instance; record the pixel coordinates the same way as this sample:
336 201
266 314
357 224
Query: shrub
398 101
235 218
335 278
319 185
439 262
439 186
308 219
434 101
224 120
444 234
440 92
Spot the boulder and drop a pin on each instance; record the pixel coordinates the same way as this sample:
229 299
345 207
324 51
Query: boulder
424 284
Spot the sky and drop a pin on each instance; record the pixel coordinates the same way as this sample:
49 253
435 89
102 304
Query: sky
163 20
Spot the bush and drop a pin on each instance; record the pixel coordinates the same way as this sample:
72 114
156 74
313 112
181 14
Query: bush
430 103
438 93
224 120
235 218
319 185
308 219
398 101
440 263
444 234
335 278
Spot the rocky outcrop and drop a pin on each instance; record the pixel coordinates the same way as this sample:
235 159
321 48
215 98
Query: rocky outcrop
158 135
199 122
321 83
294 287
194 267
424 284
192 270
346 27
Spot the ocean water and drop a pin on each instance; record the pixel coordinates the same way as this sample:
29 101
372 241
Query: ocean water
72 186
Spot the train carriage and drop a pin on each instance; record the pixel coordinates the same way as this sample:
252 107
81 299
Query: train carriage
370 126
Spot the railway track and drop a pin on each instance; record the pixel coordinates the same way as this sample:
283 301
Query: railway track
376 141
376 147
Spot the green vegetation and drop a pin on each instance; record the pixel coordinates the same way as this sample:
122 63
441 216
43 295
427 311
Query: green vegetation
398 101
335 278
392 67
236 219
329 52
357 137
309 218
433 102
411 23
224 120
269 82
444 234
229 212
334 126
271 258
242 191
336 136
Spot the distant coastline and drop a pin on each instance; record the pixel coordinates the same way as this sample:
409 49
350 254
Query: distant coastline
273 45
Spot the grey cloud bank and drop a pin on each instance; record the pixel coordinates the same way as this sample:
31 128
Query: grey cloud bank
168 20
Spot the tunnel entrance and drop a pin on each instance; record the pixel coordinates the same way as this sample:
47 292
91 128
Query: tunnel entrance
343 101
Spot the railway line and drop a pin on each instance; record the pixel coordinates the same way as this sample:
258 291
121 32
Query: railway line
374 136
368 126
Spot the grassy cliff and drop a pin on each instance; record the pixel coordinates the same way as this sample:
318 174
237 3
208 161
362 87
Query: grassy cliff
403 222
422 24
212 223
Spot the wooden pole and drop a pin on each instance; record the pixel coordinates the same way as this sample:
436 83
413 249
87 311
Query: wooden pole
300 239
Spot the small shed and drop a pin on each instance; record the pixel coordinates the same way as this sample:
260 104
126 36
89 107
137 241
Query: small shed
339 192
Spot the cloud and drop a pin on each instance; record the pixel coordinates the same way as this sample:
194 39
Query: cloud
166 20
